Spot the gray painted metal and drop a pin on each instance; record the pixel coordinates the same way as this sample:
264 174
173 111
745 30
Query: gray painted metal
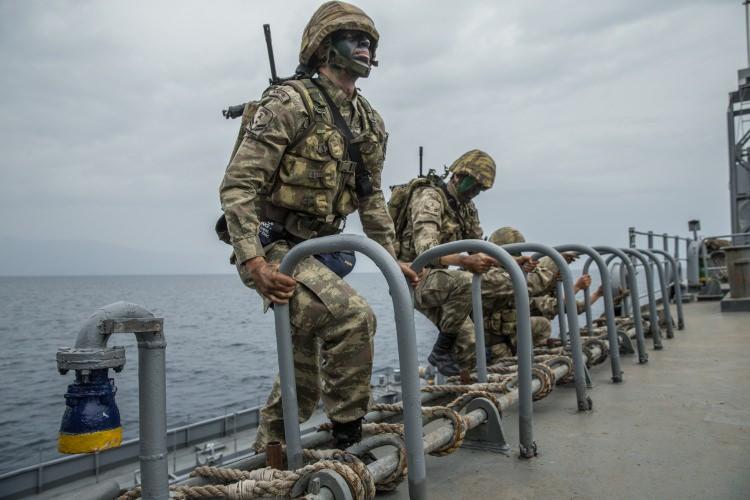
407 351
677 286
653 313
634 294
124 317
523 326
609 303
25 481
664 290
561 312
478 318
584 401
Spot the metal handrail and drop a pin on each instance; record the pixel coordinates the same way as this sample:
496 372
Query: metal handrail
655 331
584 401
609 307
677 287
634 295
664 290
523 325
407 351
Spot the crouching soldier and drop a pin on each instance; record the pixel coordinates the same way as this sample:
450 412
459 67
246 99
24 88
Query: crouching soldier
428 212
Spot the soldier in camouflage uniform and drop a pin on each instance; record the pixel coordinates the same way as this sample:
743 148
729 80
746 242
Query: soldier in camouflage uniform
498 302
437 213
292 179
543 299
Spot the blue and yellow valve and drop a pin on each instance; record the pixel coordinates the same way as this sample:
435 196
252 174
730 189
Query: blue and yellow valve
91 421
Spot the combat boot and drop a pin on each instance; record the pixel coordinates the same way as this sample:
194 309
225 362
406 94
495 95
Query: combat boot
442 357
347 433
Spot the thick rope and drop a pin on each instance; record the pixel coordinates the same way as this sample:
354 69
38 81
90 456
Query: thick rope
562 360
459 428
546 378
459 389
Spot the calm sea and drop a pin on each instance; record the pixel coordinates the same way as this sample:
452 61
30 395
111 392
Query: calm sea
221 354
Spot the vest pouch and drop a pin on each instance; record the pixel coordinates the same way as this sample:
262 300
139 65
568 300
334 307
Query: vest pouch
347 201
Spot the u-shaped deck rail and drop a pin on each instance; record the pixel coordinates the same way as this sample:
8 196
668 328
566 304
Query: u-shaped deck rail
584 401
653 312
633 286
677 285
664 290
407 351
523 325
609 306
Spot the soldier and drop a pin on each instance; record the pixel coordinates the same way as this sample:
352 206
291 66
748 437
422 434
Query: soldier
297 175
543 303
499 306
428 212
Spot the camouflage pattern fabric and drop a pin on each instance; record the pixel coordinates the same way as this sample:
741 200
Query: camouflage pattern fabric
444 297
546 306
431 221
331 17
263 171
502 346
506 236
477 164
332 334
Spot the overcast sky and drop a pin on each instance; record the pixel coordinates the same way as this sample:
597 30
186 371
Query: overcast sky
600 114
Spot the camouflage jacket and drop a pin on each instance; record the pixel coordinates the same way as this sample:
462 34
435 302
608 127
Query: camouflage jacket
498 300
269 152
431 221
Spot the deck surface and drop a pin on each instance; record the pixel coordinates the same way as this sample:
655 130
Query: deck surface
677 427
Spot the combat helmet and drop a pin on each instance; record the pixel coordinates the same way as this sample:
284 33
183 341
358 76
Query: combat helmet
506 236
477 164
329 18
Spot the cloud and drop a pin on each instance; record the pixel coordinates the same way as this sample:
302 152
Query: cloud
601 115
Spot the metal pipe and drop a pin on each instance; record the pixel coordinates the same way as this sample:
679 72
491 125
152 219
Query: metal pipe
478 317
523 325
124 317
589 315
274 455
677 287
152 409
664 290
654 320
633 286
559 292
584 401
407 351
93 335
609 302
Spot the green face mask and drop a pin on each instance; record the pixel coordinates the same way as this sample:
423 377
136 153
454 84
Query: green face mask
351 51
468 187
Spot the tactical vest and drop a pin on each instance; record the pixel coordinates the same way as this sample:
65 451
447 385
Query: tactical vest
313 189
398 207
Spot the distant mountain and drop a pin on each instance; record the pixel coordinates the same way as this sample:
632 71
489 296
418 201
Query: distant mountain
65 258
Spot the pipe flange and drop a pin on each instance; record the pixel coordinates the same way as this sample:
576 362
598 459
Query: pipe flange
70 358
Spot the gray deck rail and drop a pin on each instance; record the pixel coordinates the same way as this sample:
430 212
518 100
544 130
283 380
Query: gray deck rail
523 326
584 401
407 351
609 307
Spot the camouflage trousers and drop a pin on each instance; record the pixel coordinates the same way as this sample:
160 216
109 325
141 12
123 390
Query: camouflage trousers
332 335
444 297
502 345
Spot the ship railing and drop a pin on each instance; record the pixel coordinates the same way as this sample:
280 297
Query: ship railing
407 351
523 325
609 307
565 289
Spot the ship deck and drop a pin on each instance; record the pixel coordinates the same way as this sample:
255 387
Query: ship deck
677 427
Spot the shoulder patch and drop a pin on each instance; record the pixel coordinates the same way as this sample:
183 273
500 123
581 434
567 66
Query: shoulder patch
279 93
261 120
